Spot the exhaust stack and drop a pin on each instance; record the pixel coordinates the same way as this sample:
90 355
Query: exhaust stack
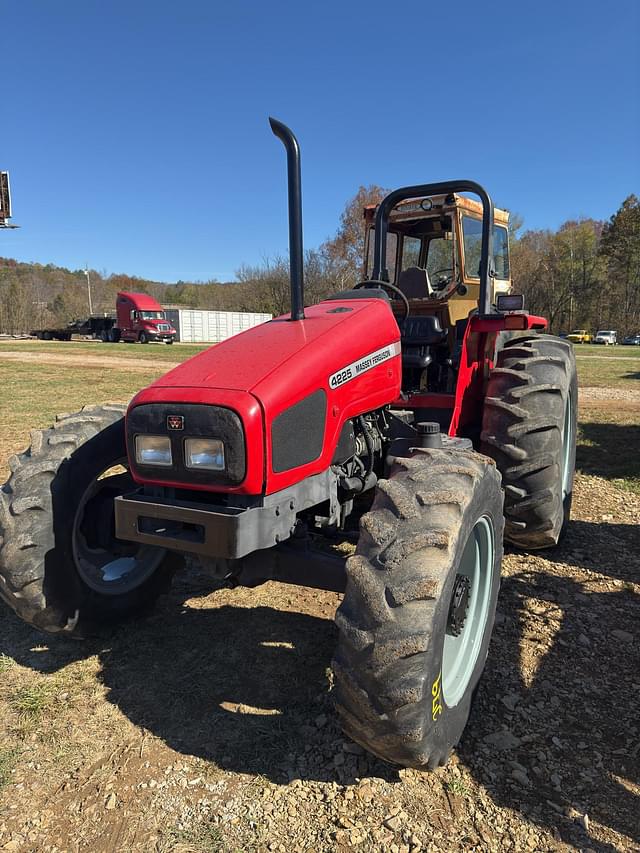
296 260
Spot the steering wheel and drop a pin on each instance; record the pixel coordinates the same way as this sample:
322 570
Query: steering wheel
385 285
442 269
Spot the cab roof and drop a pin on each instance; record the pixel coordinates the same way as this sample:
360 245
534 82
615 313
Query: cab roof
411 209
142 301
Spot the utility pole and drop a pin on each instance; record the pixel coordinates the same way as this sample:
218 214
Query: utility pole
571 311
86 272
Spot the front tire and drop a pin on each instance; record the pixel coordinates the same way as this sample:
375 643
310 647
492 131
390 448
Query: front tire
61 568
143 338
404 681
529 427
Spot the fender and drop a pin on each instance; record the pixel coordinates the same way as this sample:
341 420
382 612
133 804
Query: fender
477 360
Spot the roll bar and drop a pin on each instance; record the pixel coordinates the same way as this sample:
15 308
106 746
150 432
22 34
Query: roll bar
296 257
487 269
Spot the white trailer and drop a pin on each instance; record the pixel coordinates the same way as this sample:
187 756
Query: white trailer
195 326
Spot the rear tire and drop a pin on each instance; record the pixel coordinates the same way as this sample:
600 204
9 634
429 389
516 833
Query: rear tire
61 568
403 685
529 428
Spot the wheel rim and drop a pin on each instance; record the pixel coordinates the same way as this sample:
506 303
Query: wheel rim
108 565
460 653
567 443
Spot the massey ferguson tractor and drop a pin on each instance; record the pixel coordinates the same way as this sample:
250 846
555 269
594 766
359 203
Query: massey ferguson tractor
424 408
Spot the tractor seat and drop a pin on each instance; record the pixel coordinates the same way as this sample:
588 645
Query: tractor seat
414 283
418 335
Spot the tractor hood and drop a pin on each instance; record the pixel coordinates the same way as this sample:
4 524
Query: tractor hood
333 334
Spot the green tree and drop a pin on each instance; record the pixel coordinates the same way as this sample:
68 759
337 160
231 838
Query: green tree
561 274
15 309
620 249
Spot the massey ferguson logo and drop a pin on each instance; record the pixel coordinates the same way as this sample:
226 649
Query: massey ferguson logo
175 422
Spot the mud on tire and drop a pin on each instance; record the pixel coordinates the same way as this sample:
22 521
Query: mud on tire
390 689
529 428
39 512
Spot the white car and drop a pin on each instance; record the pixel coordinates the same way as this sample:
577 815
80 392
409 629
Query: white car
606 337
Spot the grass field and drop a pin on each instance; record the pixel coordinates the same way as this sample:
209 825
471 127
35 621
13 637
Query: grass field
607 352
605 367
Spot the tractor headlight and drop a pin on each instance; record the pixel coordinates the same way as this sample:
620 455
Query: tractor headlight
207 453
153 450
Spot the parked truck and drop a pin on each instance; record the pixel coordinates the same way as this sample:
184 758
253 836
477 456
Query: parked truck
139 317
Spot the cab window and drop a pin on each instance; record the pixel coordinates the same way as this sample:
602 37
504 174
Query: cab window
411 247
392 248
472 238
440 258
501 252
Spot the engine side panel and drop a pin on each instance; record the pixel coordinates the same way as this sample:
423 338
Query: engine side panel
354 383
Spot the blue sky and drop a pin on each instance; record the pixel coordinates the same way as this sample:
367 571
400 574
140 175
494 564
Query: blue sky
137 140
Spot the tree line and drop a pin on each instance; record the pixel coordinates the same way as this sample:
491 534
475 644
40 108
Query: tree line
586 274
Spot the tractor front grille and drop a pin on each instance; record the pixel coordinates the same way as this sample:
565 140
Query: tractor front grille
188 420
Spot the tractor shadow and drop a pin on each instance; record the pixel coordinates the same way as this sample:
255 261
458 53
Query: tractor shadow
608 549
566 687
246 688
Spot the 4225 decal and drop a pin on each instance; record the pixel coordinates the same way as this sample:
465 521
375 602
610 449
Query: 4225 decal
362 365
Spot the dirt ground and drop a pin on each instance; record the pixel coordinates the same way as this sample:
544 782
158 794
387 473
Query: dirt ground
208 726
67 358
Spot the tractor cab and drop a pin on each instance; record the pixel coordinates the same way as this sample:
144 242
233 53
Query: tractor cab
433 253
432 260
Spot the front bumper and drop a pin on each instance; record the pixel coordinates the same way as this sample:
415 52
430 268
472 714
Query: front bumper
161 336
199 528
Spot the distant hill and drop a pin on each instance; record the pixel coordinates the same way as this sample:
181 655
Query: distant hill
36 295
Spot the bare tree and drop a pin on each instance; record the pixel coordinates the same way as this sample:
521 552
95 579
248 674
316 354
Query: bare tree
344 252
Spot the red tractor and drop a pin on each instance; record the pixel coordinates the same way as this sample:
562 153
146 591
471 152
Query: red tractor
424 408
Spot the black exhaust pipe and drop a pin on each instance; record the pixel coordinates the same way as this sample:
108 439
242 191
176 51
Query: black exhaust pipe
296 260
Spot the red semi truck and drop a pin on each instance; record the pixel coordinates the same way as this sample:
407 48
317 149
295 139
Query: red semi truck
140 318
